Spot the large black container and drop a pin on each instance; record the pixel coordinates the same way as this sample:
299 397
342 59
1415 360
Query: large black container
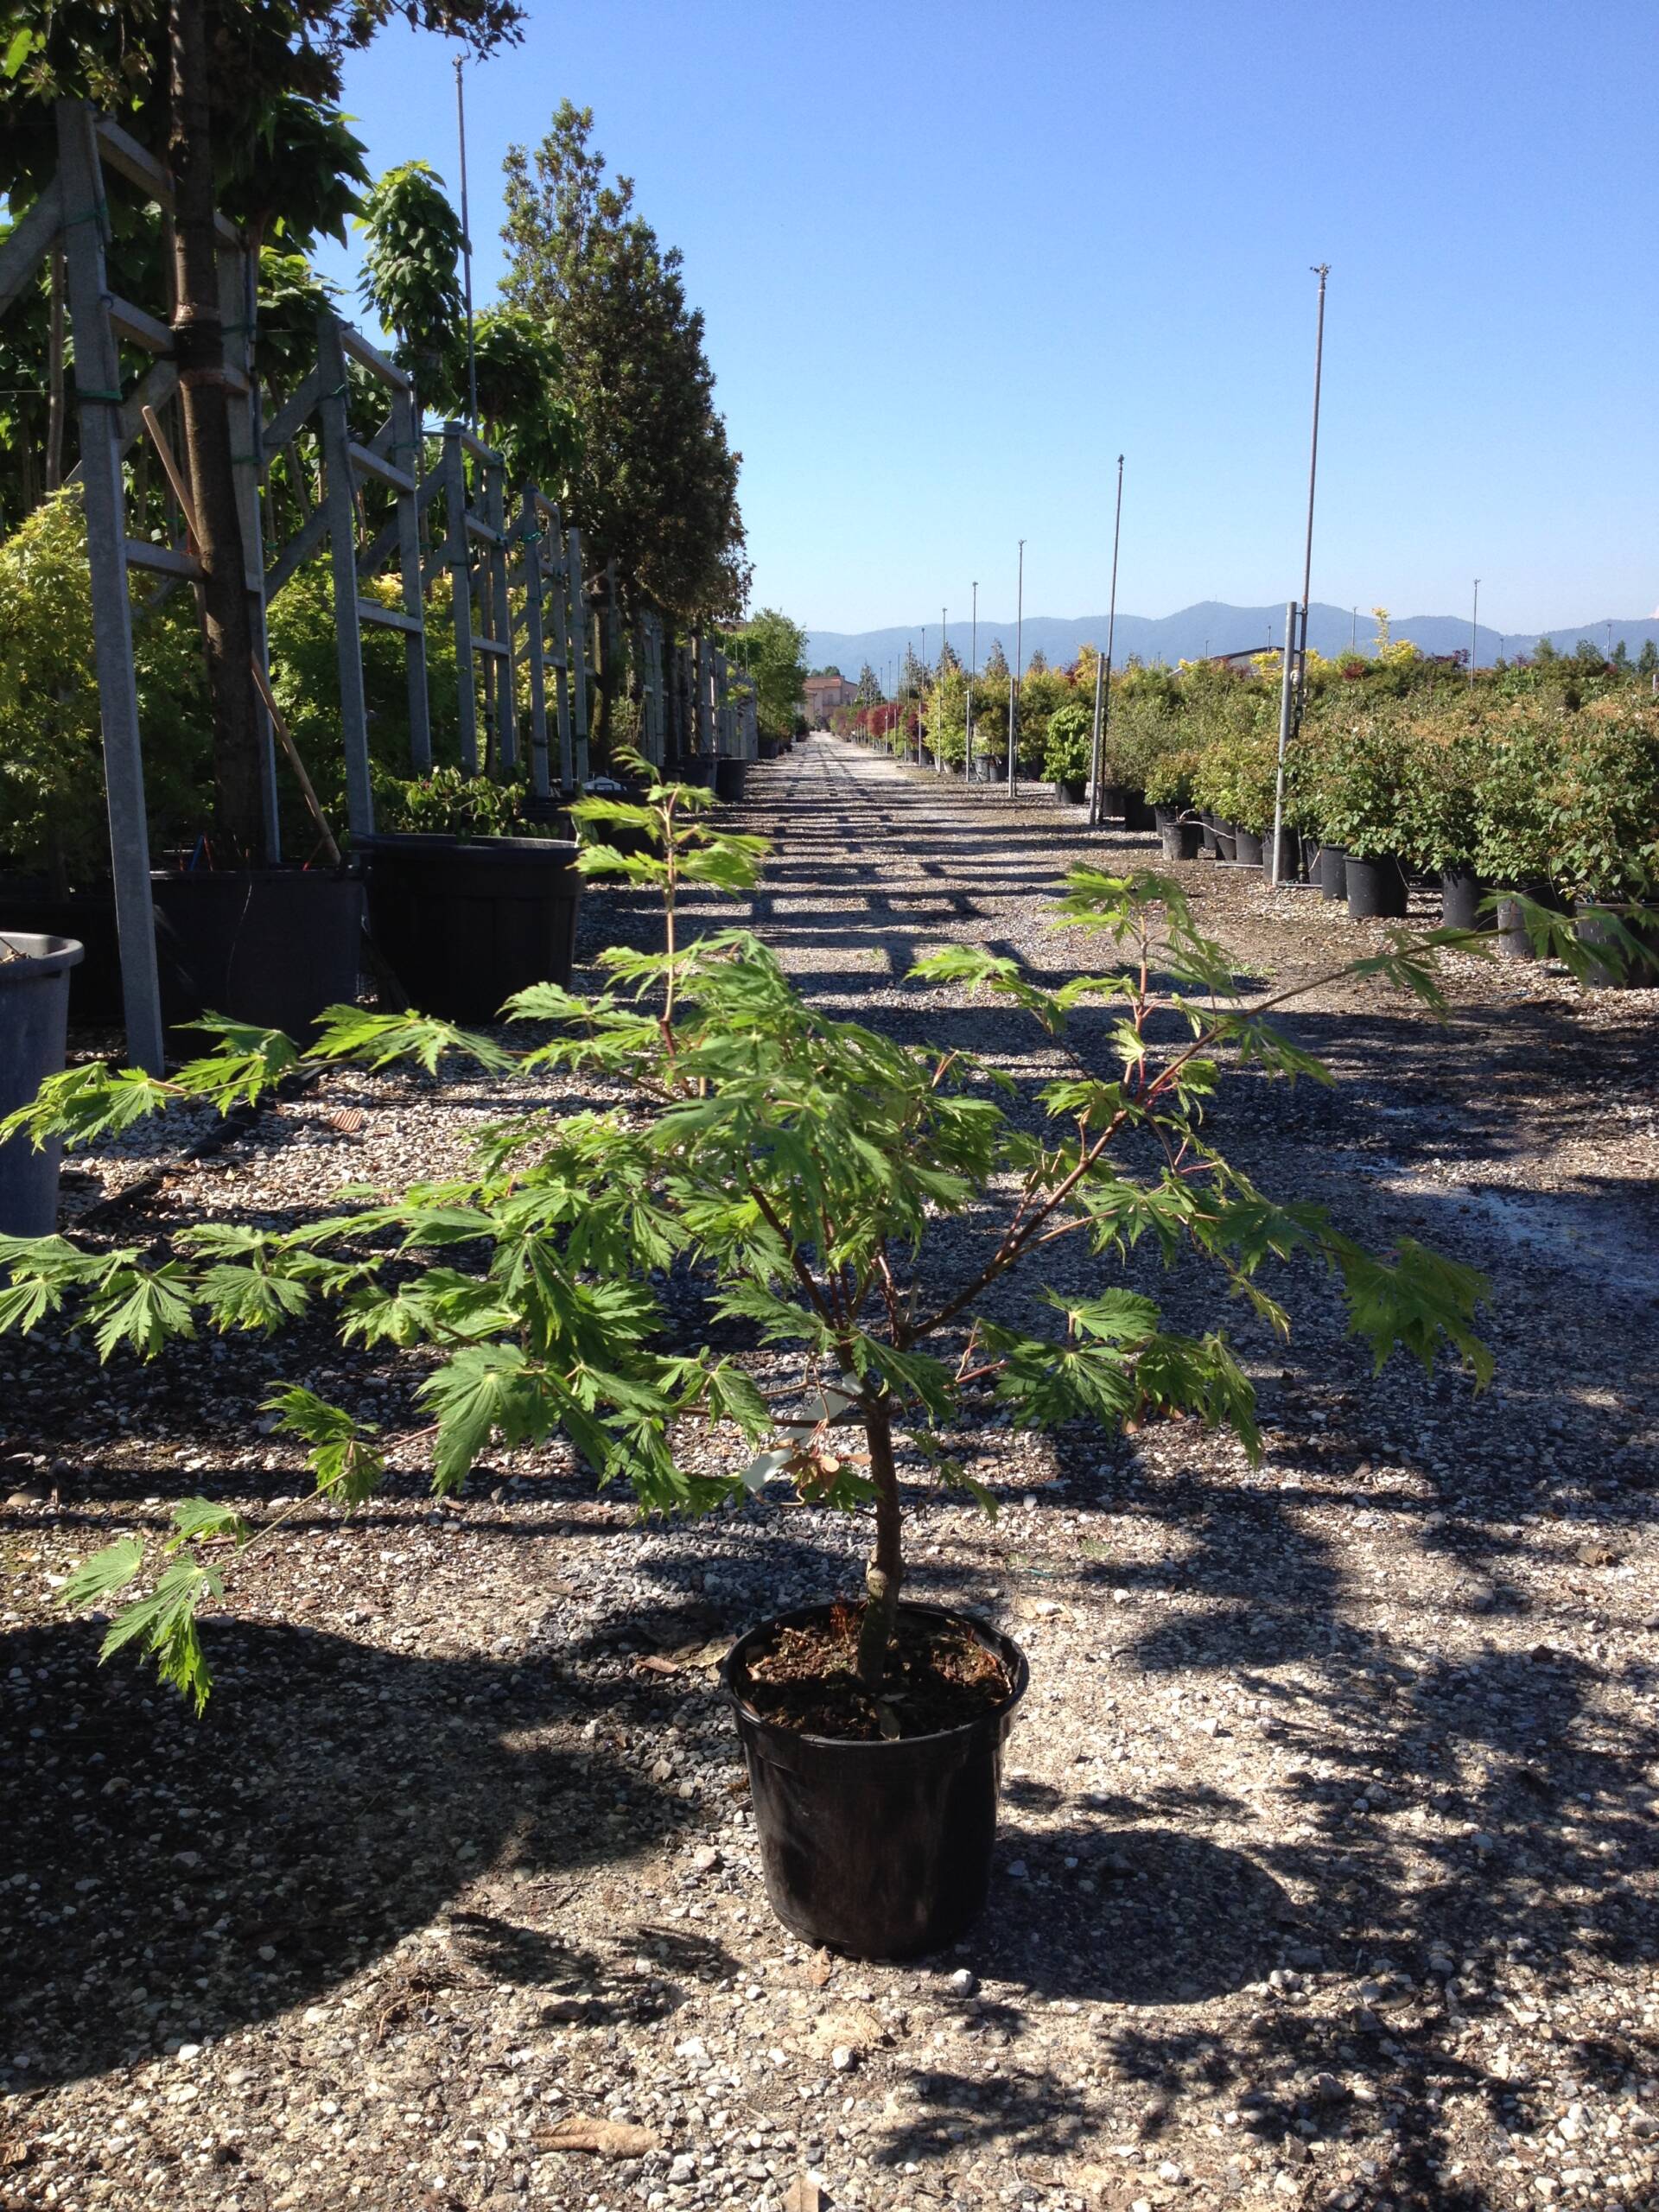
882 1850
1207 836
1377 887
1334 871
731 781
463 923
1247 847
272 946
1181 840
35 975
1513 940
88 917
1626 969
1292 868
1225 837
1461 893
1137 815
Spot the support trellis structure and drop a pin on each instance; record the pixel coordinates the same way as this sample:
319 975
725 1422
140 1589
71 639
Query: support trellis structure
518 604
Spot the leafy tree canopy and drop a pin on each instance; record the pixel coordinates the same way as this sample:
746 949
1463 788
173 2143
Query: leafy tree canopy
773 650
655 489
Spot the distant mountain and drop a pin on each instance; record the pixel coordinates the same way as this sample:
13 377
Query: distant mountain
1209 628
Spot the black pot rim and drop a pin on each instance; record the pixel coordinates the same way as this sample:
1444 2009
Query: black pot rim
436 841
799 1616
40 957
284 872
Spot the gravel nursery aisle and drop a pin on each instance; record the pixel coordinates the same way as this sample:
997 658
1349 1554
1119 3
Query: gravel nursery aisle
1327 1876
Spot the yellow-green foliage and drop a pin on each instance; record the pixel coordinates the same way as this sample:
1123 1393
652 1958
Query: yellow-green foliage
52 813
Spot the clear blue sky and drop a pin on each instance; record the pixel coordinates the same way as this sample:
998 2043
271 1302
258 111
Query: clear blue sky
955 258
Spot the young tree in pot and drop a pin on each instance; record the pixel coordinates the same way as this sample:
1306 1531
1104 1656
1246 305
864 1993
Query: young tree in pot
1439 825
1605 806
800 1165
1067 748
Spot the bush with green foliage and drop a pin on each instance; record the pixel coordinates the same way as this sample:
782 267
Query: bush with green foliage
795 1168
1172 778
1605 802
1354 779
1515 841
52 818
1068 751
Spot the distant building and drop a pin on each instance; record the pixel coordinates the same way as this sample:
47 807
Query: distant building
823 694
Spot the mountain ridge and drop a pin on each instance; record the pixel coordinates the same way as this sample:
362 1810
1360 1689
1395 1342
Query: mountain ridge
1210 626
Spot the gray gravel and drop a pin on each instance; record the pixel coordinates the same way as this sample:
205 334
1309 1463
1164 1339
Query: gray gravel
1327 1874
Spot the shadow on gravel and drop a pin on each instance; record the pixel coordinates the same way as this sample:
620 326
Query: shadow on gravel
168 1878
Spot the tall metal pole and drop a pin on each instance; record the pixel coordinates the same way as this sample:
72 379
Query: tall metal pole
973 670
1474 630
466 256
1322 272
938 755
1286 709
1019 675
1103 687
921 693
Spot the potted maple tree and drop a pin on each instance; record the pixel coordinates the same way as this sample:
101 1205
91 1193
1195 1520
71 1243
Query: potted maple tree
799 1166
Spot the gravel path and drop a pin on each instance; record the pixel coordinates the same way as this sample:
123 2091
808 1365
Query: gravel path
1327 1875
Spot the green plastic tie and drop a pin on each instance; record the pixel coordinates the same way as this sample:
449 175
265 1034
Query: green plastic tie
113 398
96 213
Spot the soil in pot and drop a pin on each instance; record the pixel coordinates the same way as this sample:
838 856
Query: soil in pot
34 973
877 1844
1377 887
273 946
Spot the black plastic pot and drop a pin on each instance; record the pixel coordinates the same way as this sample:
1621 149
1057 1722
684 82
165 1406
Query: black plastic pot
273 946
1334 871
1513 942
882 1850
1247 847
1291 868
1226 837
463 923
88 918
731 781
698 768
1181 840
1137 815
1072 790
34 973
1377 888
1593 927
1461 893
1207 836
1311 849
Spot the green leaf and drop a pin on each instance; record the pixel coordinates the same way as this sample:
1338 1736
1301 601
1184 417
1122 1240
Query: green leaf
479 1390
102 1575
247 1298
165 1621
140 1310
195 1519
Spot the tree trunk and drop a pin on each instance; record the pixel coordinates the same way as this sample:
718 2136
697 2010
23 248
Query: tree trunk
885 1572
199 351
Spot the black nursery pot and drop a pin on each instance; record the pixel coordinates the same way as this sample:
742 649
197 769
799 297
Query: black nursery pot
274 946
1207 836
1247 847
1461 893
1181 839
88 917
464 922
731 781
1137 815
1595 927
881 1850
1334 871
1512 938
1377 887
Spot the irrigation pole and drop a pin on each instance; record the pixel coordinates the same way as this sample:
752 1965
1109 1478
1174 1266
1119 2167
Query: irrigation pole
973 670
1322 271
1286 710
1103 681
1018 677
938 756
1474 630
466 256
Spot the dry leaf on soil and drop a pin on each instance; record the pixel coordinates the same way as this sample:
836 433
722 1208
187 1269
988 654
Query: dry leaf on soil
612 2139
